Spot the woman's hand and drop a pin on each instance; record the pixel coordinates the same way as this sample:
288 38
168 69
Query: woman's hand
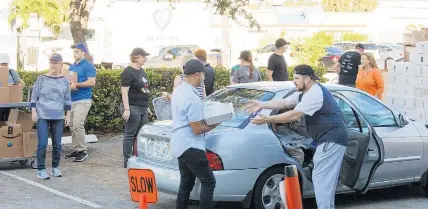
126 114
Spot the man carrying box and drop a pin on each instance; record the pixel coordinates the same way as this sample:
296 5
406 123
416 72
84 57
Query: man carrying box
188 137
81 97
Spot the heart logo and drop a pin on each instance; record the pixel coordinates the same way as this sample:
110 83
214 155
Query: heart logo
162 18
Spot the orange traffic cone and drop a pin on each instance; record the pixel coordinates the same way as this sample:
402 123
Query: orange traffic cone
292 188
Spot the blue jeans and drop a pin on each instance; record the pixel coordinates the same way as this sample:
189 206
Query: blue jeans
56 128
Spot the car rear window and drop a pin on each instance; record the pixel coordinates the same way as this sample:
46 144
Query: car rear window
370 46
334 50
239 97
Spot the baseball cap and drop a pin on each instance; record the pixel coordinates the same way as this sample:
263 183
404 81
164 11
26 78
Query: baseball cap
281 42
305 70
359 45
4 58
139 52
56 58
245 55
201 53
80 46
193 66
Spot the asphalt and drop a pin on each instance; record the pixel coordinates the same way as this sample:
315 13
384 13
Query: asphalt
102 182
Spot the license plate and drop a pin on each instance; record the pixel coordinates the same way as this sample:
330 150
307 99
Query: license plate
159 150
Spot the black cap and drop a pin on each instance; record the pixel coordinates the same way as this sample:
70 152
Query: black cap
193 66
359 45
281 42
245 55
139 52
305 70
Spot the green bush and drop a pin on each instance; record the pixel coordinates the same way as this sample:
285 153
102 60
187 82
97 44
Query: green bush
352 36
104 115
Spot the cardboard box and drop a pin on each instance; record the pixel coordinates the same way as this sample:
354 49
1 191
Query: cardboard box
418 58
4 76
15 93
22 118
70 75
10 140
422 47
421 70
30 141
421 82
401 68
4 95
217 112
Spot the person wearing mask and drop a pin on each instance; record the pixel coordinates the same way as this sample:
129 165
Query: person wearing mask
247 72
50 98
14 79
277 67
188 137
369 77
209 74
324 123
81 97
135 100
348 65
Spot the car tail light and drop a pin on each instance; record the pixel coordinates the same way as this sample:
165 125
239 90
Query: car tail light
215 161
334 57
135 147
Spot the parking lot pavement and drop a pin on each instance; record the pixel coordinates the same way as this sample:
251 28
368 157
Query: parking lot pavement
101 182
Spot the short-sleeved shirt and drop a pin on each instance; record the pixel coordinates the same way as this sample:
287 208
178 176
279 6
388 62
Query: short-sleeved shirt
84 70
242 75
136 80
278 66
186 107
311 102
349 63
209 79
13 77
200 88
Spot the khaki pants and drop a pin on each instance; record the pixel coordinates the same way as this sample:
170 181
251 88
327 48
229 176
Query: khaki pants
79 111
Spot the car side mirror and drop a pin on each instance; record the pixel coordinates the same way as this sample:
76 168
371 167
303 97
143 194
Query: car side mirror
402 120
168 57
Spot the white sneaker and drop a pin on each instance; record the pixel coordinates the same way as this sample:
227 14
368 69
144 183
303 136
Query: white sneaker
42 174
56 172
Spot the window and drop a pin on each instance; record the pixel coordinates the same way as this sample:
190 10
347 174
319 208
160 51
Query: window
349 116
376 113
370 46
349 46
239 97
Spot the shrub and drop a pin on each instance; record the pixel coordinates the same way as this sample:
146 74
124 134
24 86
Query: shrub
352 36
313 47
349 5
104 115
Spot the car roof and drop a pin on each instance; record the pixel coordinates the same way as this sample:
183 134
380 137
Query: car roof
276 86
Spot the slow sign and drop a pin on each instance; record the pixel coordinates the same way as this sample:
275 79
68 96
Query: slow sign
142 181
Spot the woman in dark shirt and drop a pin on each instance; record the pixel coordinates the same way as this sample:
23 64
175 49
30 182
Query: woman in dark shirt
135 100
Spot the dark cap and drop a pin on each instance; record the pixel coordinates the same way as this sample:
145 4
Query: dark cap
56 58
359 46
281 42
139 52
80 46
193 66
305 70
245 55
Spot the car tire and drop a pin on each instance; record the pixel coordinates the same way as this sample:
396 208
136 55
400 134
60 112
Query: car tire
266 180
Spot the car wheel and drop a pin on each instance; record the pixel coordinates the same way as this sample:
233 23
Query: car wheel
266 190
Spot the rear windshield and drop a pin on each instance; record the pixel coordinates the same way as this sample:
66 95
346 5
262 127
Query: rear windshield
334 50
370 47
239 97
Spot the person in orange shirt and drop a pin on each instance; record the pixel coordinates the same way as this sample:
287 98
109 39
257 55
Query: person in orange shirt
369 77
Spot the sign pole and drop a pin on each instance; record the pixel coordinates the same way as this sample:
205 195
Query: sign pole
143 201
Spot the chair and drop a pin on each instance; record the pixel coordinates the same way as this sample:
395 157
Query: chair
162 108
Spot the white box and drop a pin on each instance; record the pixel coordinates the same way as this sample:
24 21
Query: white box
422 82
422 47
421 70
401 68
395 101
418 58
217 112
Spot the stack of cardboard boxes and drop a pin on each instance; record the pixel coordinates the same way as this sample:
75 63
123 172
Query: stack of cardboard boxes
17 137
407 86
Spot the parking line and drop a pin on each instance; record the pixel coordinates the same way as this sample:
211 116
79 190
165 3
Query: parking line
41 186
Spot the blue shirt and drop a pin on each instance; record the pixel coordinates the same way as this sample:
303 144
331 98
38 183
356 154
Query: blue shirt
186 107
84 70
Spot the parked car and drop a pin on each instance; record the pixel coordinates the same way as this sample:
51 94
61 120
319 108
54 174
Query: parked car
385 148
391 51
350 45
331 57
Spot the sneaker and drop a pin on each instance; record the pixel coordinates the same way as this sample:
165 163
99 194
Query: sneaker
72 155
42 174
56 172
81 157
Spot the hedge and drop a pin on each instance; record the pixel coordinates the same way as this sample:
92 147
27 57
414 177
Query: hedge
104 114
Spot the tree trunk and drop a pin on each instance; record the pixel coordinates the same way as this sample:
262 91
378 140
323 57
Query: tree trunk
79 16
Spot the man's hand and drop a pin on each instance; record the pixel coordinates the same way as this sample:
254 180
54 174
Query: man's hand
67 119
260 119
73 86
253 106
34 116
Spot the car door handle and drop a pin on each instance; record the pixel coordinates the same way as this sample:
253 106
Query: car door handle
371 150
